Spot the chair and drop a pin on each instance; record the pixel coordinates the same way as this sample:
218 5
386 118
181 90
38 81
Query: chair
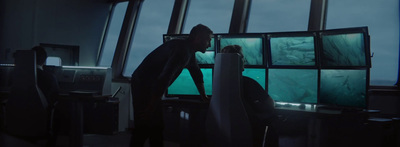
227 122
27 114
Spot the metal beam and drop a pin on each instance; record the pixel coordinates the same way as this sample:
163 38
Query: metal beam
128 28
317 18
178 17
240 15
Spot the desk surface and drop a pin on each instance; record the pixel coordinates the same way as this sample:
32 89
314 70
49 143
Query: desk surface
82 95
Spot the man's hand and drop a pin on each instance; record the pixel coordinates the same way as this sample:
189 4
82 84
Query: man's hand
205 98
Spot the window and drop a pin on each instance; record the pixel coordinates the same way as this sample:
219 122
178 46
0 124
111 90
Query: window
112 34
152 24
216 14
382 19
278 15
54 61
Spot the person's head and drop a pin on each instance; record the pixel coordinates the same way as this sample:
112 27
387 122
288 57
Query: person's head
234 49
41 55
200 36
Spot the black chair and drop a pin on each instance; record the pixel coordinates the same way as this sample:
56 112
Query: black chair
27 113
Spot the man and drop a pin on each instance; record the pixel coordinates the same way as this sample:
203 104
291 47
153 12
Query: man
48 84
153 76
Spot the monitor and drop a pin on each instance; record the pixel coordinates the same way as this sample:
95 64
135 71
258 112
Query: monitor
344 48
344 88
252 46
291 49
184 84
257 74
293 85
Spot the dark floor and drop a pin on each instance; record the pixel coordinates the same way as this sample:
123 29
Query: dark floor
90 140
184 127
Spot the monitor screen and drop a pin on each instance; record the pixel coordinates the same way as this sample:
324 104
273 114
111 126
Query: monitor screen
346 49
184 84
256 74
293 85
252 48
202 58
343 87
292 51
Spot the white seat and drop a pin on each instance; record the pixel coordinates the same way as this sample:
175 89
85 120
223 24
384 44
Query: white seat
227 123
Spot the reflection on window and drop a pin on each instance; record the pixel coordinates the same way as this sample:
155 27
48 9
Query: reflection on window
278 15
152 24
216 14
112 34
383 29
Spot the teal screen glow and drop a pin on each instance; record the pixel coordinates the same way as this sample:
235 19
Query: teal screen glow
293 85
343 50
343 88
292 51
205 58
256 74
184 84
252 49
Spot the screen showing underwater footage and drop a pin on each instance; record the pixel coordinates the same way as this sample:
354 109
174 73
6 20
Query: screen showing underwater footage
343 50
184 84
343 87
293 85
256 74
252 48
292 51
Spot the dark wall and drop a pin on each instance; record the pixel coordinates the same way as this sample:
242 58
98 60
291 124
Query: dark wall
24 24
387 101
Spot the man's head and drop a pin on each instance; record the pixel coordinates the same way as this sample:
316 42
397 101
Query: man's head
200 36
41 55
234 49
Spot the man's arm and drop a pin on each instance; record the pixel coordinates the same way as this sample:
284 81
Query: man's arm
202 91
197 77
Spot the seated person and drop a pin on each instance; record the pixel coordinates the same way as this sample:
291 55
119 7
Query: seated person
48 84
47 81
259 105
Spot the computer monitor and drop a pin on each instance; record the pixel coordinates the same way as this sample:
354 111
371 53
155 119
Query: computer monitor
184 84
345 48
292 49
344 88
257 74
252 46
293 85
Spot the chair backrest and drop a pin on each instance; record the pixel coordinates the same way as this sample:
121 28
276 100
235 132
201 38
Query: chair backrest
27 112
227 123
